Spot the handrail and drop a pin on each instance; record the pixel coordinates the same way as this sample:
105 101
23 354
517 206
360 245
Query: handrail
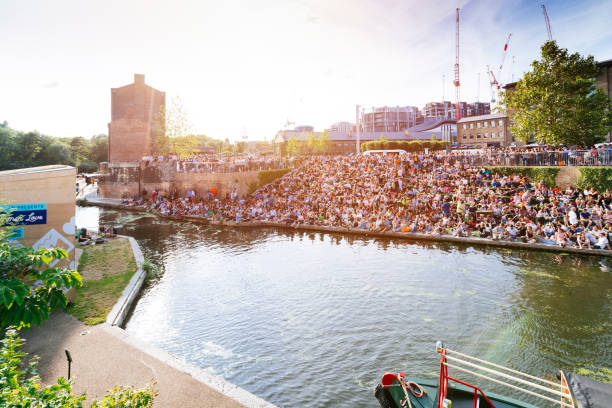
562 390
505 368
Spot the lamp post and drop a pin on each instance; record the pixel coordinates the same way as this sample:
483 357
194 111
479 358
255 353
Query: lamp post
69 358
358 146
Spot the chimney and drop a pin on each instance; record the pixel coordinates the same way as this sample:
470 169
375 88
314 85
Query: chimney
139 79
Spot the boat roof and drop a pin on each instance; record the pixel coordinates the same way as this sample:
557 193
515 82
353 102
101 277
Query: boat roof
589 393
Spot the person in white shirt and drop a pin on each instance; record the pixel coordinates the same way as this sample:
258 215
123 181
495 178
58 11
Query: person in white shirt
572 216
602 242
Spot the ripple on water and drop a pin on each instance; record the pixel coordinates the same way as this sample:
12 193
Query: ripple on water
313 320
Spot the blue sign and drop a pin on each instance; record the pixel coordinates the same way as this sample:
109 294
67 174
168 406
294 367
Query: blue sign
17 234
25 214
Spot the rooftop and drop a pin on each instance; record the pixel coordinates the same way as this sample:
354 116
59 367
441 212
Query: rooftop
483 117
31 170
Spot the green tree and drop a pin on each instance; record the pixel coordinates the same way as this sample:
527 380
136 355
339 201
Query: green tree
98 148
294 146
56 153
311 143
557 101
7 147
323 143
242 147
20 387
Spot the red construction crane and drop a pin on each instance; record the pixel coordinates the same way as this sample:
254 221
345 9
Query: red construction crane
495 85
458 115
547 23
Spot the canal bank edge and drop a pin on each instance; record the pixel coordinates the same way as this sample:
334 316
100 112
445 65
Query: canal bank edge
410 236
116 319
117 315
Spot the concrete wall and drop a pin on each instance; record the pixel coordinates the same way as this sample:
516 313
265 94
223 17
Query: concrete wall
127 179
54 186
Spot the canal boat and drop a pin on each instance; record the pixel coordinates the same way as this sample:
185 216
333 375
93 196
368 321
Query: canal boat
570 391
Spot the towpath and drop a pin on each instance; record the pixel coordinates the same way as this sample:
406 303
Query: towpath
102 360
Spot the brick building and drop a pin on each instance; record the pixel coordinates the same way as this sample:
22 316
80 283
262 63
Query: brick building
484 131
136 111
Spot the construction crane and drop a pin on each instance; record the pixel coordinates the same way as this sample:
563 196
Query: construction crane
458 112
495 85
547 23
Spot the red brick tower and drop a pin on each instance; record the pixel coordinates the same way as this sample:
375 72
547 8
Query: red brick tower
135 109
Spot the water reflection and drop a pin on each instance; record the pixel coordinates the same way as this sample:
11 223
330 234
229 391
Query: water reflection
312 319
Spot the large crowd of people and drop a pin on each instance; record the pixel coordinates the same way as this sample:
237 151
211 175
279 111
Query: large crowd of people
213 163
433 193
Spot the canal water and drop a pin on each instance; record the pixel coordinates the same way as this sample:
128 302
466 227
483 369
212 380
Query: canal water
306 319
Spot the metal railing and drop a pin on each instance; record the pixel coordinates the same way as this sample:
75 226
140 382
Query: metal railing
543 389
225 167
588 158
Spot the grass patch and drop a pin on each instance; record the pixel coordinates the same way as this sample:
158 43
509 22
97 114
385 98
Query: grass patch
106 271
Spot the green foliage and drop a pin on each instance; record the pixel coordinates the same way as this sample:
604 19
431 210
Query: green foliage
127 397
268 176
294 146
407 145
557 101
20 385
595 177
546 174
153 271
31 149
29 288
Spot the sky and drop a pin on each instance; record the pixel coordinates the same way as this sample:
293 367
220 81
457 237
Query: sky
247 67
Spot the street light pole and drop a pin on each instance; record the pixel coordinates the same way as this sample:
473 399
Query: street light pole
358 146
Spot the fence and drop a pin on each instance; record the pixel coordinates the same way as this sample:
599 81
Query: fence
539 158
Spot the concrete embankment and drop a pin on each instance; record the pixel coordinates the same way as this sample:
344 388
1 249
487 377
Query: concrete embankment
116 204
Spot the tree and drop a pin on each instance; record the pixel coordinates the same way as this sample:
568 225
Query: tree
29 288
56 153
293 146
20 387
311 142
169 125
557 101
323 143
98 148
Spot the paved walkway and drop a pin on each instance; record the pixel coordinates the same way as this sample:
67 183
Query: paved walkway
103 360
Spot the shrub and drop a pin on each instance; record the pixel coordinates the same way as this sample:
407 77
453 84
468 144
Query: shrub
267 176
595 177
546 174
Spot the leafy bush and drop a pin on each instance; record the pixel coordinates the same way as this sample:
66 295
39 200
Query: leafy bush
22 305
267 176
20 384
546 174
407 145
595 177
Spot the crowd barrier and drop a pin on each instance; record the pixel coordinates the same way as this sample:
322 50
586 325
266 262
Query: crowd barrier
540 158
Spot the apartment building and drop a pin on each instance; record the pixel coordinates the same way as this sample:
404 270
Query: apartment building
484 131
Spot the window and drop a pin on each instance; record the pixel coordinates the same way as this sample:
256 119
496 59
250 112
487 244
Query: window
471 136
478 136
492 135
464 126
486 135
478 125
486 124
501 133
501 122
492 123
471 126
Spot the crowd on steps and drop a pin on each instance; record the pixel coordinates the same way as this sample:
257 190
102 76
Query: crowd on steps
433 193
